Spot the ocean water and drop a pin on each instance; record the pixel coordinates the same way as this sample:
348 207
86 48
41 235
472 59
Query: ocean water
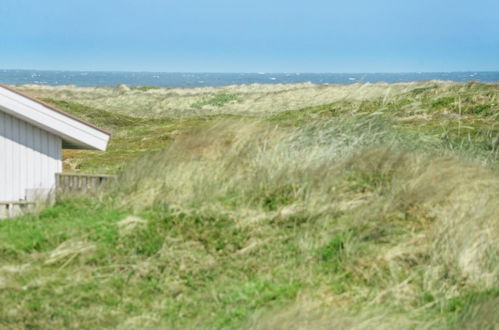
91 78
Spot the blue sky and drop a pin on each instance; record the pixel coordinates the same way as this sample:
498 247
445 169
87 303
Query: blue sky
250 36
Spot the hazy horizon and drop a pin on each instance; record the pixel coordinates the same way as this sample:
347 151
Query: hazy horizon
200 79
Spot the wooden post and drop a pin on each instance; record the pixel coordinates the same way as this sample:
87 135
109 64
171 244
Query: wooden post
84 185
57 181
66 183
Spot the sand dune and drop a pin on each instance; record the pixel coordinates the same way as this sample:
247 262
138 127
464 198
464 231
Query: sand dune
240 99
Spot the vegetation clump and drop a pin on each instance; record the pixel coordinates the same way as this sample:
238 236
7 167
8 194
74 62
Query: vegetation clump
218 100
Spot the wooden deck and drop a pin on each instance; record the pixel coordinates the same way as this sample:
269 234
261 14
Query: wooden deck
66 183
14 209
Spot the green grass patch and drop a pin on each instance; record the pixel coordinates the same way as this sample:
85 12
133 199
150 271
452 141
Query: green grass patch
219 100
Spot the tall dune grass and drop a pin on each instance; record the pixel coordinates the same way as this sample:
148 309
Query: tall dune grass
238 99
418 99
411 224
376 211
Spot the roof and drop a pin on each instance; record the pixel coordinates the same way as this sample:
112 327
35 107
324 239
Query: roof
74 132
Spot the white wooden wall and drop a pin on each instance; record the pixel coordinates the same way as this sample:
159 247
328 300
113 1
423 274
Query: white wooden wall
29 158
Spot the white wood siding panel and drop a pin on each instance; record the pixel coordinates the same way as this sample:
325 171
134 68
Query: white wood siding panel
69 129
29 158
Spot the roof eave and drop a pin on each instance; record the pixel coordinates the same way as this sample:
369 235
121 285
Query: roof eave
73 131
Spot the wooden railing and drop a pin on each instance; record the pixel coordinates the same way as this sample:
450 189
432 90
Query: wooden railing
68 183
14 209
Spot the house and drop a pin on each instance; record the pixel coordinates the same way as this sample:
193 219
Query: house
32 136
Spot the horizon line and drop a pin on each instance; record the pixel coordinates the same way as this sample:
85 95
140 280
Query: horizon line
254 72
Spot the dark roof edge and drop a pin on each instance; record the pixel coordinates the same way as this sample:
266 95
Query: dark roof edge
51 107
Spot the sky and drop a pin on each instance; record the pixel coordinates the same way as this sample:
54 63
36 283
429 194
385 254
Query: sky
250 36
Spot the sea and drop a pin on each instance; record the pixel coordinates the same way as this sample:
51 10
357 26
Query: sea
173 79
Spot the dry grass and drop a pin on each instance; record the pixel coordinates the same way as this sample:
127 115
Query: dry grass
417 220
348 215
188 102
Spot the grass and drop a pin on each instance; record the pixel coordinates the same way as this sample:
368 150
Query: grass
366 213
132 136
219 100
457 126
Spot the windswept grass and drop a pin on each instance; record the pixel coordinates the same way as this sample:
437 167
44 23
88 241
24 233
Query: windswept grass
360 214
410 106
192 102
